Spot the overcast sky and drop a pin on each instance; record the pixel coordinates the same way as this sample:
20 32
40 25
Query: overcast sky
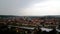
30 7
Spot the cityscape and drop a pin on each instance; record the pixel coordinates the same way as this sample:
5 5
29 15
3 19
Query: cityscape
29 16
29 24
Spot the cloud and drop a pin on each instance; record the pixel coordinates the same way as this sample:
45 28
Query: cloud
42 8
30 7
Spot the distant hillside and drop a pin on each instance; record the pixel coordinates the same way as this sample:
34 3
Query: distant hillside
49 16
